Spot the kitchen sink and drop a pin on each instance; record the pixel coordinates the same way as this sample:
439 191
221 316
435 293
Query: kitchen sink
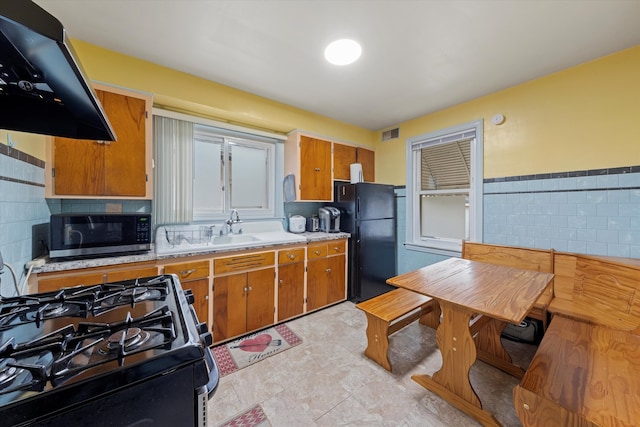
181 239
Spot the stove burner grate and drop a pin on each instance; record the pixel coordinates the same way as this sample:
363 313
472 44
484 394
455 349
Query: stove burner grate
8 372
100 343
127 340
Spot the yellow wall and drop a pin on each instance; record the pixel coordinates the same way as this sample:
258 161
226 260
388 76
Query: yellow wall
29 143
177 90
580 118
584 117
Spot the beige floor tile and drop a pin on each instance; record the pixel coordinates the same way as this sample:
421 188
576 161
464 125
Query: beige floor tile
327 381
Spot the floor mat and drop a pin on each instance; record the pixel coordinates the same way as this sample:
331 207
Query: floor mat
253 417
253 348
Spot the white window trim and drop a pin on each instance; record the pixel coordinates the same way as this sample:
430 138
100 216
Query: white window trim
444 246
276 165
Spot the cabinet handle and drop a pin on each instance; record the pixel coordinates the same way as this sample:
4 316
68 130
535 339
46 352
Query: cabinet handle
292 256
317 169
317 252
328 270
281 281
187 272
206 297
336 248
247 288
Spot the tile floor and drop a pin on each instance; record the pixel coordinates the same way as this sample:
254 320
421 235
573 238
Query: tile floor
327 380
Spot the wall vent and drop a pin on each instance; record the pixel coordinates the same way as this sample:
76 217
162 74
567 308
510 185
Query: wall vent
390 134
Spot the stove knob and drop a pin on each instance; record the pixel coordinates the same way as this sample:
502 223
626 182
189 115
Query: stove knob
202 327
207 339
189 295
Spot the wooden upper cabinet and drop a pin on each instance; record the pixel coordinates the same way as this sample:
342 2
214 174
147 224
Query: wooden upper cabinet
309 160
343 157
122 168
367 158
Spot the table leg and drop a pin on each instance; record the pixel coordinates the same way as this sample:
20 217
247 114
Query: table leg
490 349
458 350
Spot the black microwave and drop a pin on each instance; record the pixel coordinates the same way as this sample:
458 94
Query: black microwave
89 234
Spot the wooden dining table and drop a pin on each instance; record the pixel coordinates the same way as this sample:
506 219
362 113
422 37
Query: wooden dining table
477 301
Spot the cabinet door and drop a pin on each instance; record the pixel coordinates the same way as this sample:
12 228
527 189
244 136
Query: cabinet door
316 283
200 290
79 167
229 306
343 156
290 290
260 298
315 169
125 173
336 289
368 160
103 168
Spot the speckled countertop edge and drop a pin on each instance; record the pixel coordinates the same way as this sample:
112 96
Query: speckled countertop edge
52 266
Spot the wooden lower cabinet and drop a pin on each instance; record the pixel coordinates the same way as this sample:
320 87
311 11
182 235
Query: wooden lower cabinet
326 274
194 276
200 290
290 283
134 273
53 281
243 297
243 302
66 280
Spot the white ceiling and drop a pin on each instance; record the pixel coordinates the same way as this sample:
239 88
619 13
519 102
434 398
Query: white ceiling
419 56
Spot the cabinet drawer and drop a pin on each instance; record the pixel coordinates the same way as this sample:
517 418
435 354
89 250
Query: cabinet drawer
291 255
318 250
55 283
189 270
243 262
336 247
134 273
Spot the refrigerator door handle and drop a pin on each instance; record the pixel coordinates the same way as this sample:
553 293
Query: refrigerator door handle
357 207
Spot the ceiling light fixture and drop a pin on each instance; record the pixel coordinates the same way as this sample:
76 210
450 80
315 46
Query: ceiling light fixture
342 52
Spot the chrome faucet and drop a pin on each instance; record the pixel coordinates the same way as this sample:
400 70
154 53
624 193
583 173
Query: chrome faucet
231 222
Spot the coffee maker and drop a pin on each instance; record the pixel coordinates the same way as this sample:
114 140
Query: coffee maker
329 219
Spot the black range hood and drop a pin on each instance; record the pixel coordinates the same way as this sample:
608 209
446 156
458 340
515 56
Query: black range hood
42 86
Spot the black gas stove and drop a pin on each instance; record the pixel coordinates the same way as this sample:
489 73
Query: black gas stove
118 354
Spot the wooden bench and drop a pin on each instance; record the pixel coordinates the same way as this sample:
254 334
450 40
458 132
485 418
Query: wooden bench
390 312
524 258
586 371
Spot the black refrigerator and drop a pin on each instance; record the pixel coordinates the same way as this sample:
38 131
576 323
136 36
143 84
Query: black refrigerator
368 212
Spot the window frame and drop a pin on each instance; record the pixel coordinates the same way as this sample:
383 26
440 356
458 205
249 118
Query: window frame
444 246
227 132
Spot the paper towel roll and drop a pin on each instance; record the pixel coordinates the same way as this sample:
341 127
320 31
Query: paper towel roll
356 172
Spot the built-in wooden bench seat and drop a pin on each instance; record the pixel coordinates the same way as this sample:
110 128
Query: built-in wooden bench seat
524 258
586 371
390 312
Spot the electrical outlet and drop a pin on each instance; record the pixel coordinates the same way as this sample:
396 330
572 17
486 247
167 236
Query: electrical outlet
38 262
